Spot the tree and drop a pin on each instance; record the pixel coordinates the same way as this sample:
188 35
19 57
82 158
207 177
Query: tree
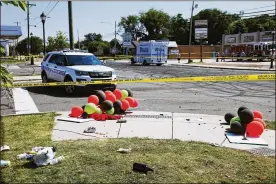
156 23
218 23
2 50
94 46
90 37
58 42
112 44
36 45
179 30
237 27
132 25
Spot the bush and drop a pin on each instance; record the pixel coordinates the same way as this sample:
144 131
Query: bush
190 61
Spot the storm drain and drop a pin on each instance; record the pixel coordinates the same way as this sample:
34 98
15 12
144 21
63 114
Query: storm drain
263 151
148 116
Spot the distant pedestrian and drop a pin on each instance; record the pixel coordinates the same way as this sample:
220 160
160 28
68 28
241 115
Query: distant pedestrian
222 56
218 55
178 57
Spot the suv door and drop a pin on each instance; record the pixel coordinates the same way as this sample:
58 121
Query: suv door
51 65
60 68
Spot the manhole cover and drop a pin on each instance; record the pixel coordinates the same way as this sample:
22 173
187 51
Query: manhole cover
263 151
148 116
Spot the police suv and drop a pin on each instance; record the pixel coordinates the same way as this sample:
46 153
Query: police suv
76 66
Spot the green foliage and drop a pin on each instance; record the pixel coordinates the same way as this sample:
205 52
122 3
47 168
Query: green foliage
157 24
94 46
58 42
133 25
179 29
36 45
2 50
21 4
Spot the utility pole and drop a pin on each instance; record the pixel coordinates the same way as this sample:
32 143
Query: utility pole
115 40
28 26
71 34
191 25
78 38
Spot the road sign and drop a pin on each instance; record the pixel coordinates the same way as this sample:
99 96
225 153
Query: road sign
201 29
127 39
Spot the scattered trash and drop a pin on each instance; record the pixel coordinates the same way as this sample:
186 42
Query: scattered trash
123 150
90 130
162 114
198 123
180 107
42 156
138 167
121 121
5 148
187 119
5 163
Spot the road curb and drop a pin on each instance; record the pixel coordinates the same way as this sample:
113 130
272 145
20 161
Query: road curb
231 68
6 115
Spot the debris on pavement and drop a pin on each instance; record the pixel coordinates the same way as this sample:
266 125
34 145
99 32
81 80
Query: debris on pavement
143 168
5 148
90 130
5 163
121 121
123 150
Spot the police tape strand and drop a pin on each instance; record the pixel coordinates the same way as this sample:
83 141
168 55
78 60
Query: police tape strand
231 78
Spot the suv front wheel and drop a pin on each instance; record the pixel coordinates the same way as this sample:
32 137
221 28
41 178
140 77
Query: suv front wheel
69 89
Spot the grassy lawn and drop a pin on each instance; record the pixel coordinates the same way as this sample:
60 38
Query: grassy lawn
270 124
96 161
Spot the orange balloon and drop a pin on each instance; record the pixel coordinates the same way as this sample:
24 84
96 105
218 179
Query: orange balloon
131 101
76 112
257 114
118 93
93 99
111 97
135 104
261 121
107 92
254 129
125 105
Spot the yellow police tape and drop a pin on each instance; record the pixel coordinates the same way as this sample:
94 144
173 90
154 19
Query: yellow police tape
258 77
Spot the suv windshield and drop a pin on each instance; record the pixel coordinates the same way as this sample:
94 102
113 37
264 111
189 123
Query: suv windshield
83 60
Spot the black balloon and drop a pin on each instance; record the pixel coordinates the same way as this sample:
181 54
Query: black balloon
241 109
84 115
117 107
101 95
107 105
83 107
228 117
130 94
246 116
237 128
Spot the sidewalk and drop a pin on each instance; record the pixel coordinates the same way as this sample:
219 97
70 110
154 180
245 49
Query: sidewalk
158 125
211 63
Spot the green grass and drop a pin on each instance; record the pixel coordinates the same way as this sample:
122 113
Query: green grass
270 124
96 161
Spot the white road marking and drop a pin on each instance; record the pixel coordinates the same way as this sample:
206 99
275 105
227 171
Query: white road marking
23 102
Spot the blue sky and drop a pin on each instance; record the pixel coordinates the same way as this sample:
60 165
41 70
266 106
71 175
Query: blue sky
88 15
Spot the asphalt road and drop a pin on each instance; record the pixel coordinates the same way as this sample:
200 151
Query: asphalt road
215 98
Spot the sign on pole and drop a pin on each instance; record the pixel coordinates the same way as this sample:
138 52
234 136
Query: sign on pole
201 29
126 39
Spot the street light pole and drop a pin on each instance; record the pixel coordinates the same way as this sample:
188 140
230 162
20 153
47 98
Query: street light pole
191 25
273 45
71 34
43 19
115 44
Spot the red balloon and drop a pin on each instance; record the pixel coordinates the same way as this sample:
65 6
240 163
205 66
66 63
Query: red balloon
261 121
125 104
130 101
254 129
118 93
135 104
111 97
107 92
76 112
257 114
93 99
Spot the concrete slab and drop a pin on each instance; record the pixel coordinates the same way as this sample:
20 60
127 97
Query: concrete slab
26 78
239 139
153 113
200 131
73 131
198 118
147 128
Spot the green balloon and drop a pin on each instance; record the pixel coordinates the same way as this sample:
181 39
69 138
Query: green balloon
235 119
124 94
98 111
90 108
111 111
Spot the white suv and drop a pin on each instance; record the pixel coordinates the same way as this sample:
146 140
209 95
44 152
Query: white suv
75 66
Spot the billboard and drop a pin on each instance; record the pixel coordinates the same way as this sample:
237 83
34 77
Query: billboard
201 29
127 39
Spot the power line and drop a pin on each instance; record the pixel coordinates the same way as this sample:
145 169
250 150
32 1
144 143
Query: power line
47 6
259 11
52 8
255 8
